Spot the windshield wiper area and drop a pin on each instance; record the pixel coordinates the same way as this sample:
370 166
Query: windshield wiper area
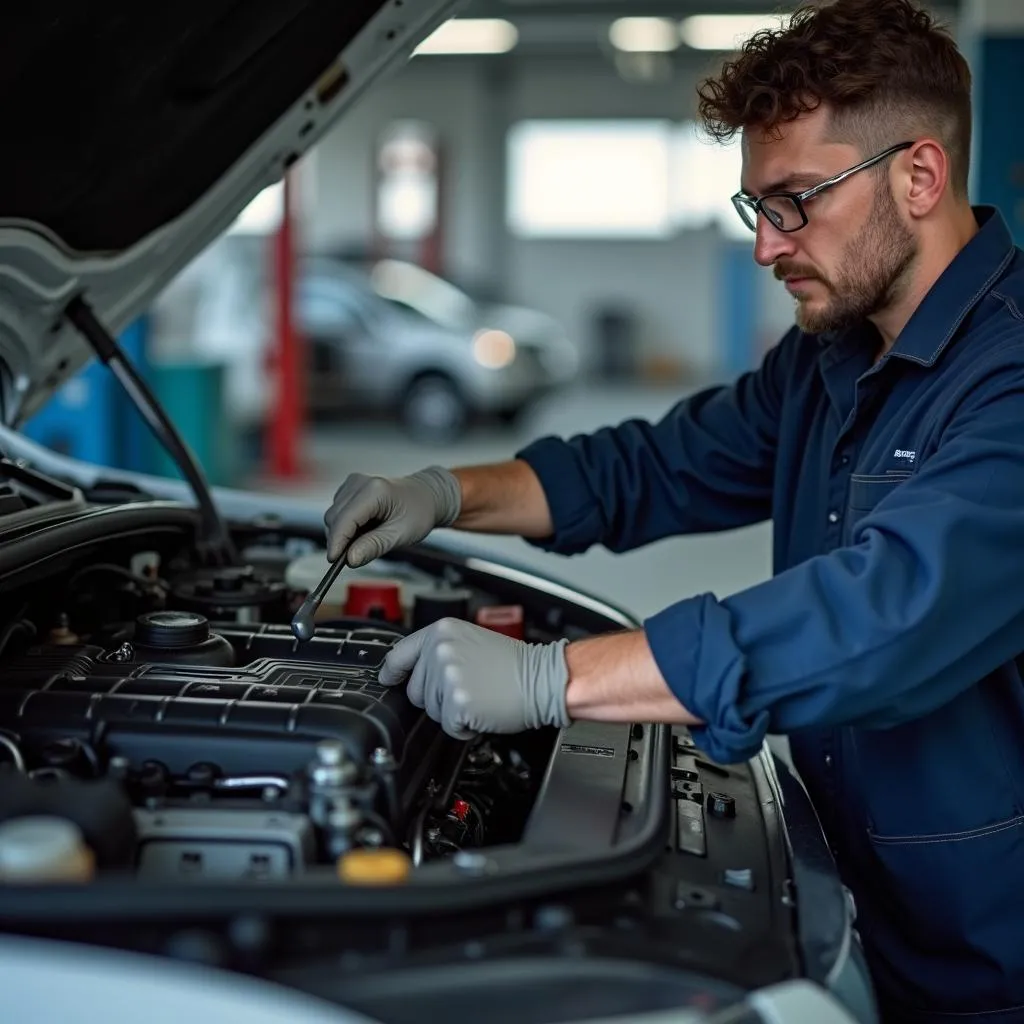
214 541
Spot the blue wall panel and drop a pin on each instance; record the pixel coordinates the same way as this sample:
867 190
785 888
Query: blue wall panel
738 283
999 122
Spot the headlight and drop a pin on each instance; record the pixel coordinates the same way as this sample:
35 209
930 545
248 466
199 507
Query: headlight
494 349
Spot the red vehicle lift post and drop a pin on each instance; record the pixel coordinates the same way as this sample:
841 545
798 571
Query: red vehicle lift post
287 414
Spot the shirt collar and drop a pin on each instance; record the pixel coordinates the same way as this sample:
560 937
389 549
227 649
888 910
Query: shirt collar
961 286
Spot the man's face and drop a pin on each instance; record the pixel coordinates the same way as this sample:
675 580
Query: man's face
852 258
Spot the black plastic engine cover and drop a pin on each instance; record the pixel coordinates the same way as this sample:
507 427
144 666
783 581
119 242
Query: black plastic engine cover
263 716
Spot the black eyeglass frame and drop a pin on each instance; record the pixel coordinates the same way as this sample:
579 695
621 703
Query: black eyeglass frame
744 203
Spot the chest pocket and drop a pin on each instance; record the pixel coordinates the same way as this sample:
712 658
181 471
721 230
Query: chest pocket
864 494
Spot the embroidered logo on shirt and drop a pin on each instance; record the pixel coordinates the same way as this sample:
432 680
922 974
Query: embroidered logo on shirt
904 455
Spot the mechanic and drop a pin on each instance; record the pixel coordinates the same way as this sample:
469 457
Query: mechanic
884 436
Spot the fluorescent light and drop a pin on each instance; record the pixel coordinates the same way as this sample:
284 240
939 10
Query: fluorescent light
725 31
644 35
471 35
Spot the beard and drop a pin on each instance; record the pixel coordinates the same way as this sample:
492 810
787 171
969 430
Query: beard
873 272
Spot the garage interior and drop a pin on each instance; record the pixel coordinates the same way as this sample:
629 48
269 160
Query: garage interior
432 781
540 154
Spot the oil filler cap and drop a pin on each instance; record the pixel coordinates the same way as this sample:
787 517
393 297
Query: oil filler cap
721 805
169 630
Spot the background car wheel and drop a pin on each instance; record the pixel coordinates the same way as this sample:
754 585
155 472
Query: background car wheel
515 416
433 409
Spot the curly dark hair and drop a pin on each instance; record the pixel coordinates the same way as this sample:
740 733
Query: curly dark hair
885 69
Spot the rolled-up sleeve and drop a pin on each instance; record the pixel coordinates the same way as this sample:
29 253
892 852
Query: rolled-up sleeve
706 465
926 600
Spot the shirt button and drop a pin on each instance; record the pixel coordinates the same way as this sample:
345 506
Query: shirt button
833 517
845 460
828 760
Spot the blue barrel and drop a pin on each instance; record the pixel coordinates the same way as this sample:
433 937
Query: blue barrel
91 418
192 393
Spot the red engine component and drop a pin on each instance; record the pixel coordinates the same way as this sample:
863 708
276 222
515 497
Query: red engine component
503 618
374 599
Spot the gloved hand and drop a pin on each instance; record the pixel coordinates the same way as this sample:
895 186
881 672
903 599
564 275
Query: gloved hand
471 679
398 510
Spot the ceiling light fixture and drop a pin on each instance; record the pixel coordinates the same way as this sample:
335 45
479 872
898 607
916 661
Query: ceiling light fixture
644 35
725 31
470 36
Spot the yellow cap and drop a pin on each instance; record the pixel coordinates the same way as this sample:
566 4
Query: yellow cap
374 867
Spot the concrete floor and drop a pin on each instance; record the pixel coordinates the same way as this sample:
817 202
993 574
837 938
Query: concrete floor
642 582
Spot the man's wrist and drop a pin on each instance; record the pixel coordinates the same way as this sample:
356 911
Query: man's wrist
463 477
504 497
614 678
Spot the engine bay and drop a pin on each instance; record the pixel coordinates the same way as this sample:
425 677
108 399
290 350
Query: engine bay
162 720
181 775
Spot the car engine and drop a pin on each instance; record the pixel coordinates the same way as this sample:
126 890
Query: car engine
181 775
186 737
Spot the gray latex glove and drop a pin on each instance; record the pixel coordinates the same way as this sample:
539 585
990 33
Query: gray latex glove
471 679
395 511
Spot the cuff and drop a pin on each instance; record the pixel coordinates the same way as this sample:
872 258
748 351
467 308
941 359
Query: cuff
694 650
575 511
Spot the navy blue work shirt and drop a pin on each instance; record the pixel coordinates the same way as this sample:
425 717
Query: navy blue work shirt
886 644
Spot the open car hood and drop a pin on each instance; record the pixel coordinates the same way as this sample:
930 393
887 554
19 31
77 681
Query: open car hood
136 135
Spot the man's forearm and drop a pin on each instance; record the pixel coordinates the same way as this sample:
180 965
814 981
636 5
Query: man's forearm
505 497
616 679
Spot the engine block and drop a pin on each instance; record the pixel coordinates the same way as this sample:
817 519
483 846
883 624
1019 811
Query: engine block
262 766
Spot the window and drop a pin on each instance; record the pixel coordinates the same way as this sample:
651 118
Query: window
419 291
705 174
330 304
407 183
576 179
641 179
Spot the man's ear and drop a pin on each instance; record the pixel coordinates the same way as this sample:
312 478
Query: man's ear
923 174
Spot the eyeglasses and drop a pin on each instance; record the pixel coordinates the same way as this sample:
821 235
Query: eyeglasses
785 210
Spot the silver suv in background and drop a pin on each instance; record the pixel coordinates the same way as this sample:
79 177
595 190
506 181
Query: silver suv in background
391 338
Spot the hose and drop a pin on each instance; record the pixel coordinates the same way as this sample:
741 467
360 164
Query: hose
117 570
419 825
12 629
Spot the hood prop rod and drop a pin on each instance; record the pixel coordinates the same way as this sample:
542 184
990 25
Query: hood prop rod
214 541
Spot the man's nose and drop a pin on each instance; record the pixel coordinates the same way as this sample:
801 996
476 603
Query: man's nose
770 243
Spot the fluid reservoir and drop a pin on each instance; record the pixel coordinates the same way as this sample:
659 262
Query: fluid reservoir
305 572
43 849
